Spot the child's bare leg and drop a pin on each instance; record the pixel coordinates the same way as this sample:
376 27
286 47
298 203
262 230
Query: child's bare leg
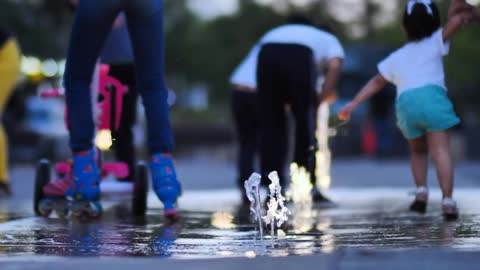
419 160
419 156
438 143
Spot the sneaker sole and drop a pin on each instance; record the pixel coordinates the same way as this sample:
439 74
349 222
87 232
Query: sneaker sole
172 215
418 207
450 217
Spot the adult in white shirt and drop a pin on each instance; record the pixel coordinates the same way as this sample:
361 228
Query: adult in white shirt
287 71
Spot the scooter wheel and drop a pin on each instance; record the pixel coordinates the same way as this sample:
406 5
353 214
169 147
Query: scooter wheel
42 177
45 207
140 190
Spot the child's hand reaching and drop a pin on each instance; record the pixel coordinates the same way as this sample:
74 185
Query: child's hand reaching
346 111
458 6
472 13
376 84
460 14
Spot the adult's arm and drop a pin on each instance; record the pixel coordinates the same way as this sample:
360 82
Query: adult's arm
334 68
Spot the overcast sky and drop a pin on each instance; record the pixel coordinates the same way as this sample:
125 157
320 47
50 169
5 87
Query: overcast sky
347 11
212 8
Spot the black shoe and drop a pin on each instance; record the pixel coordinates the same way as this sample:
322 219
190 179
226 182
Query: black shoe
450 217
450 210
5 189
419 207
320 200
318 197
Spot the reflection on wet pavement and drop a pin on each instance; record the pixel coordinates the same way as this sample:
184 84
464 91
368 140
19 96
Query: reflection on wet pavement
372 220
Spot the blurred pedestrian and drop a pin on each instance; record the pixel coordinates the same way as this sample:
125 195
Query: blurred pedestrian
245 114
424 112
287 73
93 22
9 71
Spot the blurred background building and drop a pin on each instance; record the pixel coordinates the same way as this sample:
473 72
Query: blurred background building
205 40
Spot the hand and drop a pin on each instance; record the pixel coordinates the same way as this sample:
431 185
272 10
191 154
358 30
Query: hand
468 14
458 6
331 98
468 18
346 111
327 96
119 22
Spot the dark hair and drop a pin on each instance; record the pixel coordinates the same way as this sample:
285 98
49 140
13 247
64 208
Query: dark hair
421 24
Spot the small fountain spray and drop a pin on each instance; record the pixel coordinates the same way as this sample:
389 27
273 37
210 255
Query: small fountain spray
252 190
300 194
300 186
323 154
277 212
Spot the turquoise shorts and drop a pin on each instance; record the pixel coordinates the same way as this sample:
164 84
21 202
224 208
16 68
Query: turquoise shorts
425 109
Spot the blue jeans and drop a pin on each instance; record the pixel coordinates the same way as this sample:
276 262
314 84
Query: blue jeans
93 22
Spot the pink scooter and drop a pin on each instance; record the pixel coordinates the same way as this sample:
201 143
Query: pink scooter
53 195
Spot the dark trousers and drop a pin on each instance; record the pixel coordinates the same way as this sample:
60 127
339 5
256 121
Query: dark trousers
123 137
286 75
245 115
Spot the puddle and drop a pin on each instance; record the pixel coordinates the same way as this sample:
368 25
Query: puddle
206 234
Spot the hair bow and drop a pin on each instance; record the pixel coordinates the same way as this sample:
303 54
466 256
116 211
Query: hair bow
427 3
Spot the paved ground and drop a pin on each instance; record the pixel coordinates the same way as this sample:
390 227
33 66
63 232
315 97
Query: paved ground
369 229
340 260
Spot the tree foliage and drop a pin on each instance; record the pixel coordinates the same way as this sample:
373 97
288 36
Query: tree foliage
206 51
41 26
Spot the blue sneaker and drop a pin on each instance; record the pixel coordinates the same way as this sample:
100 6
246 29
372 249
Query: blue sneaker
165 183
86 177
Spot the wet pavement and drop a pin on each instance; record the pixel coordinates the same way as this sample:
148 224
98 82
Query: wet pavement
379 222
370 217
